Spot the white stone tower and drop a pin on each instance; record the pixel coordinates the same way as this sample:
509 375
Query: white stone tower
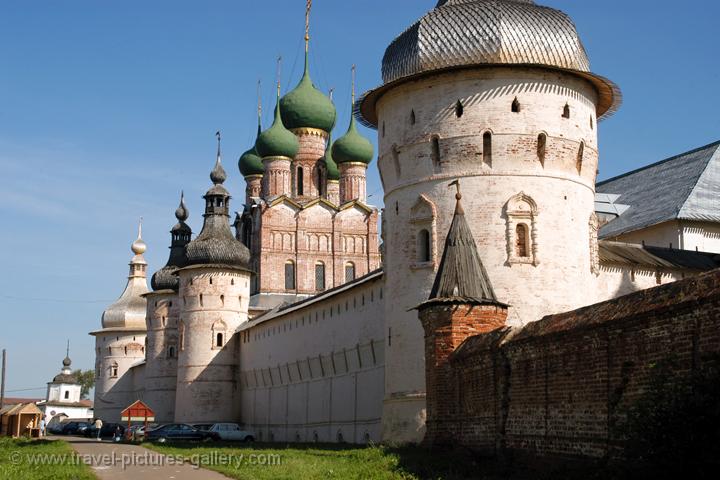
214 295
163 314
497 93
121 342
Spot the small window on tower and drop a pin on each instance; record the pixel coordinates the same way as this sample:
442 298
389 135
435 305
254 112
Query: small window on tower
171 351
289 275
219 340
487 149
424 246
515 106
566 111
541 145
114 370
580 157
67 394
435 152
349 272
459 109
300 182
521 241
412 117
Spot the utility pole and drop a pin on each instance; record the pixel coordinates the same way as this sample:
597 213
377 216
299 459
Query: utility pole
2 379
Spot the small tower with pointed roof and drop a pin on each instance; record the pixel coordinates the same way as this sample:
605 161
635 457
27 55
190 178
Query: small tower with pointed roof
251 164
352 152
163 311
120 343
462 304
214 292
64 388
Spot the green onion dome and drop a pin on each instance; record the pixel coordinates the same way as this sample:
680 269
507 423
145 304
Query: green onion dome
330 166
250 162
307 107
352 147
277 141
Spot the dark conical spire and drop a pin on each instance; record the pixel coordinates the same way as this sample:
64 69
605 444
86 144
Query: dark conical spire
461 276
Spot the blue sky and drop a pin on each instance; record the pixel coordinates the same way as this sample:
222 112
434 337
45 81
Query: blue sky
108 110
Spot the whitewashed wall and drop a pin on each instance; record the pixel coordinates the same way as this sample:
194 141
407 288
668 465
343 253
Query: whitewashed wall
316 371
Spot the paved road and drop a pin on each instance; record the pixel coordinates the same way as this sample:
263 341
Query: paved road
113 461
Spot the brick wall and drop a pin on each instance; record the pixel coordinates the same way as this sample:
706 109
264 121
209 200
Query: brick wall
560 385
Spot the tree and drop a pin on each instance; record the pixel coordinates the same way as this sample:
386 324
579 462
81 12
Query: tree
86 379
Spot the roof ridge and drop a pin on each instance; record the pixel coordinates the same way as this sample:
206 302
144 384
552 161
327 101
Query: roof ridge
674 157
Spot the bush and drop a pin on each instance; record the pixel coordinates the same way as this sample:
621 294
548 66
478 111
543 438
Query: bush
673 430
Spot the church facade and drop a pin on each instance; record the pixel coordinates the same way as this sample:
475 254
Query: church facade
293 325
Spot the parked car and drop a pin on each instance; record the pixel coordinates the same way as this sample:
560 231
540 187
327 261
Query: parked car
203 426
136 433
232 432
72 428
179 431
107 431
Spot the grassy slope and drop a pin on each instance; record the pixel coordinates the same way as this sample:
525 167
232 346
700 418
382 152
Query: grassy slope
333 461
25 471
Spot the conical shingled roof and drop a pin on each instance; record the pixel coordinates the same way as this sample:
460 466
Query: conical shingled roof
461 277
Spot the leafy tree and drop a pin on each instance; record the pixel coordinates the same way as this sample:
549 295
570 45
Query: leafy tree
86 379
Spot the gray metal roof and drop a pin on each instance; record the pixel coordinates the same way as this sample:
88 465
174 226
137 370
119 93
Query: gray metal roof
461 276
684 187
656 258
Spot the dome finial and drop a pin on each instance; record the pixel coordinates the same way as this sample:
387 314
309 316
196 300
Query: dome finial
218 175
458 196
66 361
182 213
138 246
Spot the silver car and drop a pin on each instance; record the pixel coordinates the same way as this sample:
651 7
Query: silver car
232 432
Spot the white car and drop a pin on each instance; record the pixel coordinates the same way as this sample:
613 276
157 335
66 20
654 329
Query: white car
232 432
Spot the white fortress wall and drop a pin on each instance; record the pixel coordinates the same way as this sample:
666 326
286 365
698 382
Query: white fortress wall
315 371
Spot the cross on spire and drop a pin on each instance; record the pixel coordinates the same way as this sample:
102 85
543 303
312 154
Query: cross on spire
279 71
308 7
353 69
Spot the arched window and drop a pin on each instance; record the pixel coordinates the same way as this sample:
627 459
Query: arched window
219 340
435 154
289 275
487 148
459 109
580 155
521 241
171 351
541 146
319 276
566 111
67 394
424 246
412 117
349 272
300 179
515 106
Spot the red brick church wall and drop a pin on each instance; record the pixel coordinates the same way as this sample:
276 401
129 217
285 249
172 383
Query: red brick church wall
560 385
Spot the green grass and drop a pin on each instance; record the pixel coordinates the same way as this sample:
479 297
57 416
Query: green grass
329 461
22 459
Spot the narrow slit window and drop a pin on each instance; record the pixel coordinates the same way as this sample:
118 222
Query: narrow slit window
487 148
515 106
412 117
289 275
319 276
300 180
459 109
521 240
219 340
424 246
435 151
566 111
580 155
541 146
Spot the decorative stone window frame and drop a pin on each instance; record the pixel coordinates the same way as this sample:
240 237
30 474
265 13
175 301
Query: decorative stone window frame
114 370
521 209
219 328
423 216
